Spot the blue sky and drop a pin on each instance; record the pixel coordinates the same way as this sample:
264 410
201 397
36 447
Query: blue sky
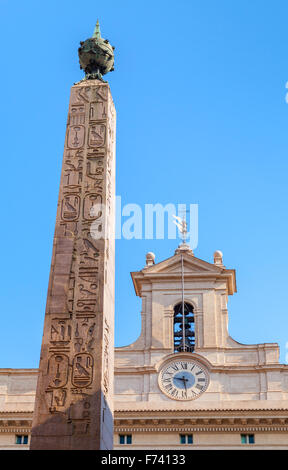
199 89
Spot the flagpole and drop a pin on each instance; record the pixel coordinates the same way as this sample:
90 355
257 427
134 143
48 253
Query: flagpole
183 313
182 226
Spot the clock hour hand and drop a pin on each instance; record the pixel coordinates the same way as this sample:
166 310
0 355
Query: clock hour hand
183 380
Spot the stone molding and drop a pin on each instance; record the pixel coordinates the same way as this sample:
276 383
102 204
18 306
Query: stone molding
177 411
19 371
248 423
16 430
204 429
213 368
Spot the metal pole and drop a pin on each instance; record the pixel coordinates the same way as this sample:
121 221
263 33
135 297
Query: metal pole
183 314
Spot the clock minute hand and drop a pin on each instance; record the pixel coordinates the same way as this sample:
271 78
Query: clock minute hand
183 380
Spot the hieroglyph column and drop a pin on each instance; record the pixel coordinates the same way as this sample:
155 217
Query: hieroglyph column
74 398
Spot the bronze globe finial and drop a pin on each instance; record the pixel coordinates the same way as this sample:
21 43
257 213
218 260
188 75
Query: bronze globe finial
96 56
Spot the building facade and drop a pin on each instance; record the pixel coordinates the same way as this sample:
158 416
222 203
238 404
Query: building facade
194 386
17 397
184 383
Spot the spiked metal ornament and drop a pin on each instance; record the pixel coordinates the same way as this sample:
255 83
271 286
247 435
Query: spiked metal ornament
96 56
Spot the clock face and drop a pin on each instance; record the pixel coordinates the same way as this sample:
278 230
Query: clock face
183 379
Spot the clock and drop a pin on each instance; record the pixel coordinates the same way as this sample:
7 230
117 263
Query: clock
183 379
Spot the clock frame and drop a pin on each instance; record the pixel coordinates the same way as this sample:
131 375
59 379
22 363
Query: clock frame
183 379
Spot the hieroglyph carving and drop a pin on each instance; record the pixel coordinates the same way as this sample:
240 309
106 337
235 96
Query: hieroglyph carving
75 331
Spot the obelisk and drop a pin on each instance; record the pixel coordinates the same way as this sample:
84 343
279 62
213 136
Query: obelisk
74 397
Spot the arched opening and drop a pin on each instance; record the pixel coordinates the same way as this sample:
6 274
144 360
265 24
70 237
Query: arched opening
184 331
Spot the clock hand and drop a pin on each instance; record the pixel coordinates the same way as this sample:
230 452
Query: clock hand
185 380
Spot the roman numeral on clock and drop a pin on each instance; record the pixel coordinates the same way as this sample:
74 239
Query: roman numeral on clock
200 387
167 373
167 380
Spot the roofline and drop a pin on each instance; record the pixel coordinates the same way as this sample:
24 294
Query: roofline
228 274
10 371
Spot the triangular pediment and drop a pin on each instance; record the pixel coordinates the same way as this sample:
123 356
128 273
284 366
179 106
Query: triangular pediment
191 264
194 268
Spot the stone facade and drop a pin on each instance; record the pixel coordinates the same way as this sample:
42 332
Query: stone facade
248 388
17 397
245 404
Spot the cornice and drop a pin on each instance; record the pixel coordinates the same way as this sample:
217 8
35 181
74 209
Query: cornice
202 423
177 413
15 430
19 371
135 370
8 423
213 368
180 424
192 429
140 278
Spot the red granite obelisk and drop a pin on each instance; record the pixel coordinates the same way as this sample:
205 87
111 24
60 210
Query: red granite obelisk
74 397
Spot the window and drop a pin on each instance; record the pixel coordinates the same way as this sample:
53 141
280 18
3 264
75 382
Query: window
186 438
184 336
20 439
125 438
247 439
